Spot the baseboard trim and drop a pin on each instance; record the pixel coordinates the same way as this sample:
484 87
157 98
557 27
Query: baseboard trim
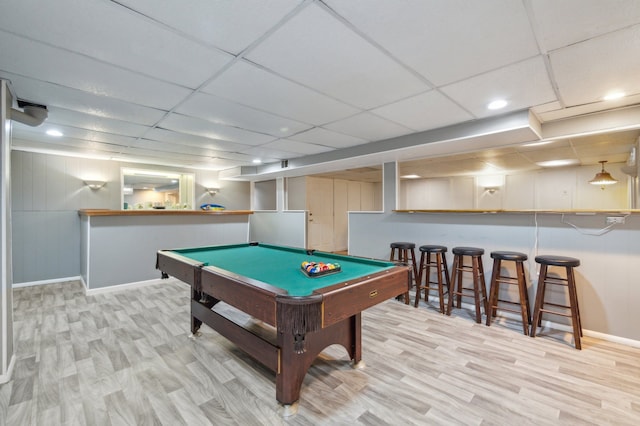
120 287
45 282
5 377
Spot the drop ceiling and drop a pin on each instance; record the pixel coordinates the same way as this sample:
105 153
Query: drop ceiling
217 84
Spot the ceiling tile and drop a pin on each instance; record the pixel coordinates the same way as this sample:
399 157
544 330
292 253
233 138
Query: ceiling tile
560 153
321 52
180 157
423 112
296 147
368 126
76 100
66 117
267 155
601 64
80 72
217 163
445 41
38 133
193 140
196 126
566 22
144 47
168 147
222 111
321 136
335 74
522 85
66 145
229 25
260 89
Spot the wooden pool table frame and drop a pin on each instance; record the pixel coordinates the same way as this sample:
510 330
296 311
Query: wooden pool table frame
305 325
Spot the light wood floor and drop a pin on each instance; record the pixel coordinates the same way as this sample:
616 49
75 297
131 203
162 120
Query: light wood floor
124 358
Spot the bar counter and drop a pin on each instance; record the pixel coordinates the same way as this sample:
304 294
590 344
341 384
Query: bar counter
160 212
119 246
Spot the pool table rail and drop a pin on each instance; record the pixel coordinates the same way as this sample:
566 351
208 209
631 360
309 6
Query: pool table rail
344 300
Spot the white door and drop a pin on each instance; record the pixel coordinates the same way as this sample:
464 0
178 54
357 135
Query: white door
320 206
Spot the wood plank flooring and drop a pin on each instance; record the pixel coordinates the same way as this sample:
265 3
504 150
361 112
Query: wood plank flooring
125 358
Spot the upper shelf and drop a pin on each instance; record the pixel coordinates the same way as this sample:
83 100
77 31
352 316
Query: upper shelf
626 211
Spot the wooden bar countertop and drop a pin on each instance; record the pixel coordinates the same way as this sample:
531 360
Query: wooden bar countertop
161 212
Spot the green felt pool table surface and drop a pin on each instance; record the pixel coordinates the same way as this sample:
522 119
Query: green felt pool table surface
280 266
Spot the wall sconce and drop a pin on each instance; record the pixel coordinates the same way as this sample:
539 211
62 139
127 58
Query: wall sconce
603 178
491 189
212 191
95 184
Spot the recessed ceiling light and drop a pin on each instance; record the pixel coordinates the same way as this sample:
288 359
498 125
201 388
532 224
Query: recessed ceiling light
409 177
556 163
257 161
55 133
497 104
613 95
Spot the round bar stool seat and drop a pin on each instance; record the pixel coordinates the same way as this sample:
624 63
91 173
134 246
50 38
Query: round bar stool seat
468 251
479 289
427 261
403 245
498 278
565 261
568 263
402 251
509 255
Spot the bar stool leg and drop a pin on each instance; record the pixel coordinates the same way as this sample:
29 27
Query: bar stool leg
483 286
440 282
524 298
476 288
494 291
421 273
537 315
427 271
457 279
573 300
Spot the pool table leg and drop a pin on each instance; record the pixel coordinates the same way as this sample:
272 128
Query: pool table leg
203 299
294 366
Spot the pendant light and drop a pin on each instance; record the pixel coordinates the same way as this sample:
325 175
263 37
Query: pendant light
603 178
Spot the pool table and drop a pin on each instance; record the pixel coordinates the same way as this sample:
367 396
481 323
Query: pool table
267 282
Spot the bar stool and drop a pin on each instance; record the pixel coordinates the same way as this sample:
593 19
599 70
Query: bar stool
405 252
427 253
520 281
574 312
479 289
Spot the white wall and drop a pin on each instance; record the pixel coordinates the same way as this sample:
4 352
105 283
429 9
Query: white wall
48 191
297 193
607 279
551 189
287 228
264 195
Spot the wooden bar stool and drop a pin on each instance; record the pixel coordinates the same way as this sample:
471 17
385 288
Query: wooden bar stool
520 281
574 312
427 261
479 289
405 252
